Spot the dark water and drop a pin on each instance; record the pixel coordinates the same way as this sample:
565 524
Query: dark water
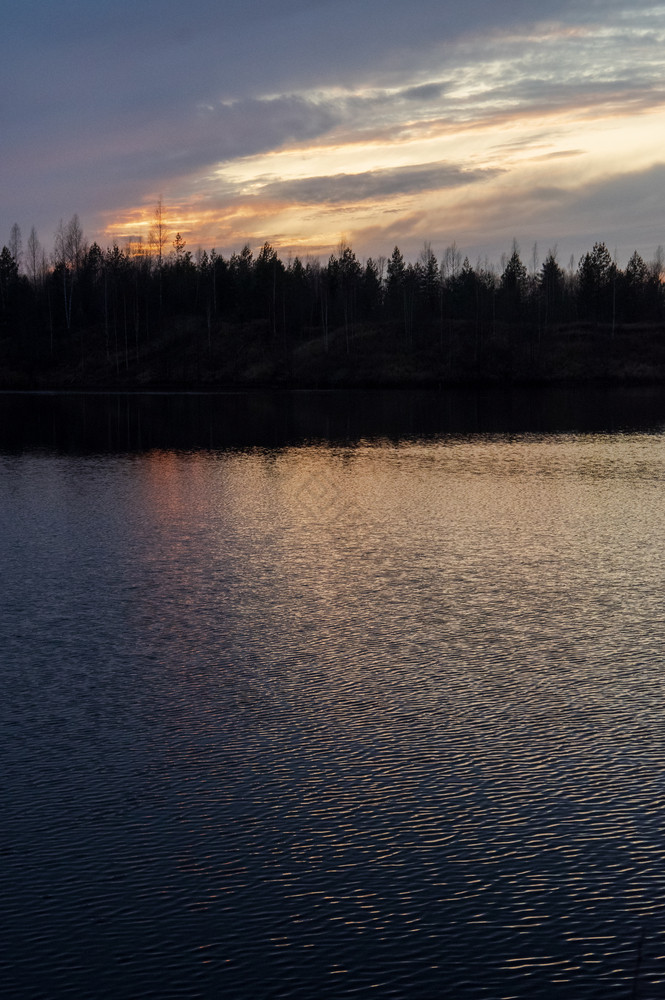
83 423
333 696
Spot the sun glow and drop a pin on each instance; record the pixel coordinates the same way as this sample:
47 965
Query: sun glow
517 121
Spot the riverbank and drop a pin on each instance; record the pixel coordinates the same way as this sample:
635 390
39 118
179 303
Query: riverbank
187 355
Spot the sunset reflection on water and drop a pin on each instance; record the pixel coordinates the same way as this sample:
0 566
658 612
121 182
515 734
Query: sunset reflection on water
331 718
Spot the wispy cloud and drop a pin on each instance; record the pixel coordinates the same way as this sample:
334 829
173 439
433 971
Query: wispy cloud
339 189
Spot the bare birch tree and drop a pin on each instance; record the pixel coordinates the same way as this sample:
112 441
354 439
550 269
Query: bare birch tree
34 257
15 244
159 234
68 253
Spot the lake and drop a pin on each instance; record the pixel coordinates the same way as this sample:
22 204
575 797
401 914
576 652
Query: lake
333 695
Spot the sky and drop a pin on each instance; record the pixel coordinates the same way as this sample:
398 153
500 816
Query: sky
308 123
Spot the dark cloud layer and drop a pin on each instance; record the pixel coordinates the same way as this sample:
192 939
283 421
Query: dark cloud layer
372 184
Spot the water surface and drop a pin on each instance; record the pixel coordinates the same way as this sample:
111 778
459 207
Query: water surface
371 715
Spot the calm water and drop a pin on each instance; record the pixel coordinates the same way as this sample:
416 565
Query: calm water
364 715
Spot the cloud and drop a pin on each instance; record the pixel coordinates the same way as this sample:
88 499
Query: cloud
559 154
113 104
625 210
340 189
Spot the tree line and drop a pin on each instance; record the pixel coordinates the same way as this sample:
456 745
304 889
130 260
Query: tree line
81 300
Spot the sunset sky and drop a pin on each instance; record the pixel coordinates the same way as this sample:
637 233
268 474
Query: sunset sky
306 122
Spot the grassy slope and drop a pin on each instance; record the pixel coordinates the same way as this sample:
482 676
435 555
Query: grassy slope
185 354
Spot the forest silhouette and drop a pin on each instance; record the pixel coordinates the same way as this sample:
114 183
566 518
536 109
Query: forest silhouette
155 314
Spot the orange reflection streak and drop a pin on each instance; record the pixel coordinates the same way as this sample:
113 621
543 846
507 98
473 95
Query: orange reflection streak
172 483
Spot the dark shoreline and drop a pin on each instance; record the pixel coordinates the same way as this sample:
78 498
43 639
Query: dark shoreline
433 384
107 420
259 390
182 357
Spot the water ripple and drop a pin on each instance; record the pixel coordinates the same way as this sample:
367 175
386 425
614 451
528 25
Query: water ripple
336 722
